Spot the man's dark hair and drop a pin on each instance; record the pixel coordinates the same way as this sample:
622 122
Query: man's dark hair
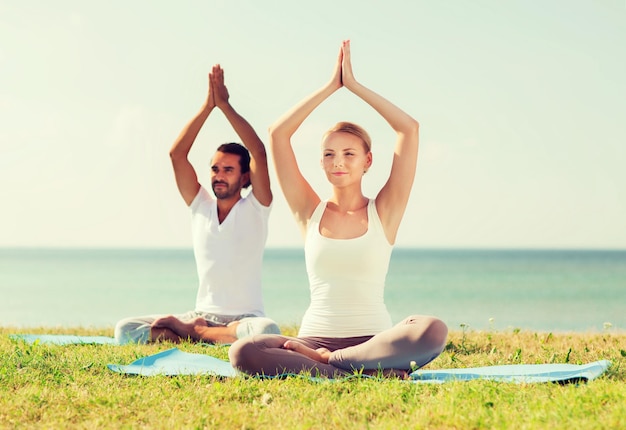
244 156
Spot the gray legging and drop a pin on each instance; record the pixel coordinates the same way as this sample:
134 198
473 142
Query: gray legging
418 339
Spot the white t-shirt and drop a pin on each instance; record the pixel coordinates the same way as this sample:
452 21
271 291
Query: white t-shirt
347 280
229 255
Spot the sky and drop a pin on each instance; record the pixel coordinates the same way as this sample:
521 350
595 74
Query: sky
521 104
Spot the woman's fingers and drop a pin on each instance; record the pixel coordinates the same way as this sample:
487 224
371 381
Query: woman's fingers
346 65
302 349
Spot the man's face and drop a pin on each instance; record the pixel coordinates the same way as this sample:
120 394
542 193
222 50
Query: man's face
226 178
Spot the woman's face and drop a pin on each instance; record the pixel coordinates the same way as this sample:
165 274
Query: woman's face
344 158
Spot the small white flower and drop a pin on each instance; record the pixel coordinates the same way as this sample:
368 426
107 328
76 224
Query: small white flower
266 399
607 325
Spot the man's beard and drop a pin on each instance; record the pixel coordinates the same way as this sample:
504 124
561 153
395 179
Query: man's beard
225 193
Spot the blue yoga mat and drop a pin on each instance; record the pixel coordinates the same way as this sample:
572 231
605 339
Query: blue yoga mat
519 373
63 339
176 362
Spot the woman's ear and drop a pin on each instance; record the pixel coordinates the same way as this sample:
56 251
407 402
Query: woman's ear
368 162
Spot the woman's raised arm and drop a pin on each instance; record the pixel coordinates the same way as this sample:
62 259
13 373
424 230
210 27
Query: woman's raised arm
392 199
302 199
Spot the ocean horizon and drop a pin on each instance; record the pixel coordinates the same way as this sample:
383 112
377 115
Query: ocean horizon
546 290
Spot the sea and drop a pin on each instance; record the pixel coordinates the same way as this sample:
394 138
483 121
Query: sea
499 290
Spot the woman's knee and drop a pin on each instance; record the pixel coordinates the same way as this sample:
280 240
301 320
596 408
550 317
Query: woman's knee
239 351
438 332
244 354
434 330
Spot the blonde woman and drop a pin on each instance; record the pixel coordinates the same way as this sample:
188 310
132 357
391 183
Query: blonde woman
348 244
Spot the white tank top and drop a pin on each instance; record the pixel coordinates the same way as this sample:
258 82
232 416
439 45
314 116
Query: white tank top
346 280
229 255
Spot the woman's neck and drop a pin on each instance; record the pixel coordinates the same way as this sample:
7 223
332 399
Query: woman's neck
345 202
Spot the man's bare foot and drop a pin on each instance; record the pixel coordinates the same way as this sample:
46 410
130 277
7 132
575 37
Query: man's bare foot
199 321
158 334
164 322
227 334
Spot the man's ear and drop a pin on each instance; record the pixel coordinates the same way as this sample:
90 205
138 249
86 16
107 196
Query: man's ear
245 179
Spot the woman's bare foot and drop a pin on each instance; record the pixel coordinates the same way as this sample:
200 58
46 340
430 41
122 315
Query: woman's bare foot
388 373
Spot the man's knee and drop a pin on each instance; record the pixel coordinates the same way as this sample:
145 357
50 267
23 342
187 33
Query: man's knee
256 325
130 330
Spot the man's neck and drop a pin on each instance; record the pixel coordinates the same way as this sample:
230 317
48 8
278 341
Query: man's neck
224 206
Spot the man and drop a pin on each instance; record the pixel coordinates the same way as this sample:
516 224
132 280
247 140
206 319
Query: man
229 234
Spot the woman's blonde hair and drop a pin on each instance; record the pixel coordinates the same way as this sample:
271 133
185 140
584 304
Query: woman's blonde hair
354 129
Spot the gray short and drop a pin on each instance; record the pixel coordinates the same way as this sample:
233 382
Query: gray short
137 329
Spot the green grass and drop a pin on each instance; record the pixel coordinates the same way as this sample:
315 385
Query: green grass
70 386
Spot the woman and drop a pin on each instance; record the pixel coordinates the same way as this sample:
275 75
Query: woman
348 243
